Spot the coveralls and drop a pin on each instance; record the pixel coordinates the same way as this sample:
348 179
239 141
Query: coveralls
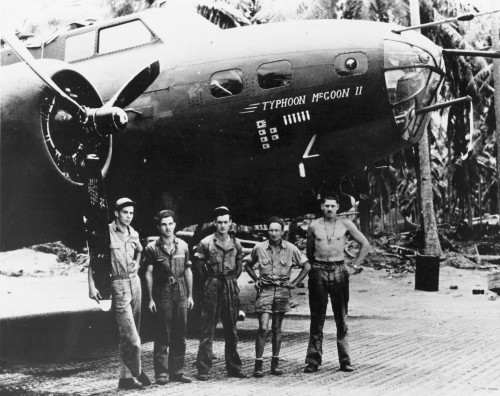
127 294
220 298
170 296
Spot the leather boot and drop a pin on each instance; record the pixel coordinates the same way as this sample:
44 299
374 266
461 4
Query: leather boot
257 372
275 362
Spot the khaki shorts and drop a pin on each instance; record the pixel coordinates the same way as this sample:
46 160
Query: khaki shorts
273 299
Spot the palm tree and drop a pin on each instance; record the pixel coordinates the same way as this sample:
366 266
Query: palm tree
470 76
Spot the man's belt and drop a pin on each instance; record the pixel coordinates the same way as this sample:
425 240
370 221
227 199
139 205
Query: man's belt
328 263
273 282
167 279
124 276
222 276
173 280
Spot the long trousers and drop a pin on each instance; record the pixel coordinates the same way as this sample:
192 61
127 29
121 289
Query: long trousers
324 282
127 295
170 329
220 298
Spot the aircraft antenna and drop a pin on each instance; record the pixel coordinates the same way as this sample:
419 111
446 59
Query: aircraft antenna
462 18
458 52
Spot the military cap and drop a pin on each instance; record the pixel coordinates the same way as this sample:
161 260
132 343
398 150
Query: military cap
164 213
122 202
276 219
221 211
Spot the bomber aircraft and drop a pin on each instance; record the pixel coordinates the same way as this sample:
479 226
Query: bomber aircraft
259 118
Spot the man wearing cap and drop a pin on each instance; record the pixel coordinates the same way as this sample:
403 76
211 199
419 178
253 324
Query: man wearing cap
170 284
219 259
326 240
275 258
126 290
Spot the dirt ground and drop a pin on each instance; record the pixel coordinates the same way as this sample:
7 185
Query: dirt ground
39 288
379 292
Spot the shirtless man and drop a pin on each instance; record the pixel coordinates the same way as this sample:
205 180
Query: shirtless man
326 239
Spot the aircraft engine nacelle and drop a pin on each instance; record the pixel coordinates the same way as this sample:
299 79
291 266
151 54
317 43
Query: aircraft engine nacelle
42 154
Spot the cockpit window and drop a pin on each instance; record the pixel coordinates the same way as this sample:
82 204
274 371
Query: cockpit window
274 74
226 83
125 35
79 46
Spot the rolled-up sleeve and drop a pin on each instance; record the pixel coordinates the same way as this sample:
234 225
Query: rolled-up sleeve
253 257
200 251
298 257
239 251
148 257
134 238
187 261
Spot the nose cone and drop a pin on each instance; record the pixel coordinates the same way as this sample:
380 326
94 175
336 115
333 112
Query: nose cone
414 70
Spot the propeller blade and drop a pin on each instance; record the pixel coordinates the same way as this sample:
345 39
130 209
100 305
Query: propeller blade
111 117
135 86
72 106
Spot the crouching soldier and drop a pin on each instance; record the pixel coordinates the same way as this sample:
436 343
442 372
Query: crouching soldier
275 258
169 280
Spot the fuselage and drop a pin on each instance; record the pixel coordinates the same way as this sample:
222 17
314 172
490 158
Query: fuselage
259 117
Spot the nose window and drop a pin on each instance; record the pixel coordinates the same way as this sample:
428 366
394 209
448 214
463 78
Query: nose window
405 83
412 79
407 70
397 54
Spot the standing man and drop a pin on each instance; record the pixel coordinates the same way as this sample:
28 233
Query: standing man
170 284
219 259
275 258
126 291
326 240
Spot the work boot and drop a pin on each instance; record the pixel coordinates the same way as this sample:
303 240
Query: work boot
237 374
275 362
311 368
128 384
257 372
203 377
143 379
346 367
181 378
162 380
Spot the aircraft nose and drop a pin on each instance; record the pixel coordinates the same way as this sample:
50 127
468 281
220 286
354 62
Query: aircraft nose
412 76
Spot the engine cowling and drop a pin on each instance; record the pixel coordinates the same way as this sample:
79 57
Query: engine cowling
42 149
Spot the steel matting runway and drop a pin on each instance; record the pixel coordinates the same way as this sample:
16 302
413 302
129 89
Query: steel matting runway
449 355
